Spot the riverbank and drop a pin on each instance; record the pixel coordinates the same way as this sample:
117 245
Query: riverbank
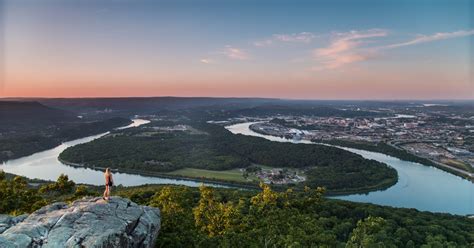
18 147
234 184
384 149
419 186
398 153
213 150
299 209
165 175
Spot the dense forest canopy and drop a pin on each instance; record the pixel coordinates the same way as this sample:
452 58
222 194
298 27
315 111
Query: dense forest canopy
206 217
22 145
28 126
213 147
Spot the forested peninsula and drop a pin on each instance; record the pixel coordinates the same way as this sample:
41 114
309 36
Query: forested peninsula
161 148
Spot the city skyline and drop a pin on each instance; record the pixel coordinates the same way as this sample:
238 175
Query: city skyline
305 50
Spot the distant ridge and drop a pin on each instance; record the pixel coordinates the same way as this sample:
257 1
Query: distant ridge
15 111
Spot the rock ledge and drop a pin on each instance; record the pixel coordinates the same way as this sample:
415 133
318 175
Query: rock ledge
90 222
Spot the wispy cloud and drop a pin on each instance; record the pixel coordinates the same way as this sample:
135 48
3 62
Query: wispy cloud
235 53
344 49
347 48
263 43
429 38
303 37
207 61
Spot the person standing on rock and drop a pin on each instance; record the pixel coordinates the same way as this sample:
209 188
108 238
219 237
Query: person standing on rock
109 181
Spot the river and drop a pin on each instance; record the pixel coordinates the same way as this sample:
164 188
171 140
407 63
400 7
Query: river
422 187
45 165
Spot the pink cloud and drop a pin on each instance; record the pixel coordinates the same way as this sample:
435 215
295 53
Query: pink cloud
235 53
345 49
341 60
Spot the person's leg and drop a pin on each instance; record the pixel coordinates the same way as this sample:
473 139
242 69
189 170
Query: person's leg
108 191
108 188
105 192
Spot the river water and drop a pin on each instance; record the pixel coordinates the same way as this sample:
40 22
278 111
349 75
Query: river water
45 165
422 187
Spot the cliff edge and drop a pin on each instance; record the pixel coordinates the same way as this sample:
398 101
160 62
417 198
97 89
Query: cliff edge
89 222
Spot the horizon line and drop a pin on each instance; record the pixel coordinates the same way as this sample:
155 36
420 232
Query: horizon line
244 97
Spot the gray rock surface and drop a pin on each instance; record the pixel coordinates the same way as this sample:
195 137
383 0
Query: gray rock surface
90 222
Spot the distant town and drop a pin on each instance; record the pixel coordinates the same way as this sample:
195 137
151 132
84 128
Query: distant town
444 138
274 175
428 131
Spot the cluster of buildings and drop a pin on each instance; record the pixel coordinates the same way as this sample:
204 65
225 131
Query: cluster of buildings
278 176
178 127
426 134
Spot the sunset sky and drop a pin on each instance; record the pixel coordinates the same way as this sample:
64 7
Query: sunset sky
286 49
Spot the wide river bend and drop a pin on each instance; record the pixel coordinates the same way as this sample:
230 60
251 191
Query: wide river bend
45 165
421 187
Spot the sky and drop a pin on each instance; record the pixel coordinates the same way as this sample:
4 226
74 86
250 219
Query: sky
381 49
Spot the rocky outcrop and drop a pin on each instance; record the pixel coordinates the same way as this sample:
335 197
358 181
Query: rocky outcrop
90 222
7 221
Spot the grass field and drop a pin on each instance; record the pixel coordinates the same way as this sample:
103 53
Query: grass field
457 164
230 175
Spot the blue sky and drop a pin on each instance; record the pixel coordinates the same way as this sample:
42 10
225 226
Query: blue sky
290 49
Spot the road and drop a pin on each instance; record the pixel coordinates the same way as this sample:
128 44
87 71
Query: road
466 173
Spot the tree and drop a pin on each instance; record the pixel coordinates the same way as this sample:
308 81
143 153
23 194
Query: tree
369 233
177 223
265 199
62 186
212 217
81 191
17 198
172 200
314 196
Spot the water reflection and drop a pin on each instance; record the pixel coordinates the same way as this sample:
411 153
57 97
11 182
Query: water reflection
421 187
45 165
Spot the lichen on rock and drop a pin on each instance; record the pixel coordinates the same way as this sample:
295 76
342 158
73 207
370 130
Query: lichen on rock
90 222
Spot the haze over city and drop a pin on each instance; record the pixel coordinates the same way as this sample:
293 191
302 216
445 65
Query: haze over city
312 50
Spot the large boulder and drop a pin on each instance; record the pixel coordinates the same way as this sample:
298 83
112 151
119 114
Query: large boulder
90 222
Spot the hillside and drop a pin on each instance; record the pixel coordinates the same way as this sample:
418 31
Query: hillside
146 105
29 127
23 116
206 217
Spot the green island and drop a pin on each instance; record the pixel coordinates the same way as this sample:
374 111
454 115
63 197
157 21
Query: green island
207 217
209 152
